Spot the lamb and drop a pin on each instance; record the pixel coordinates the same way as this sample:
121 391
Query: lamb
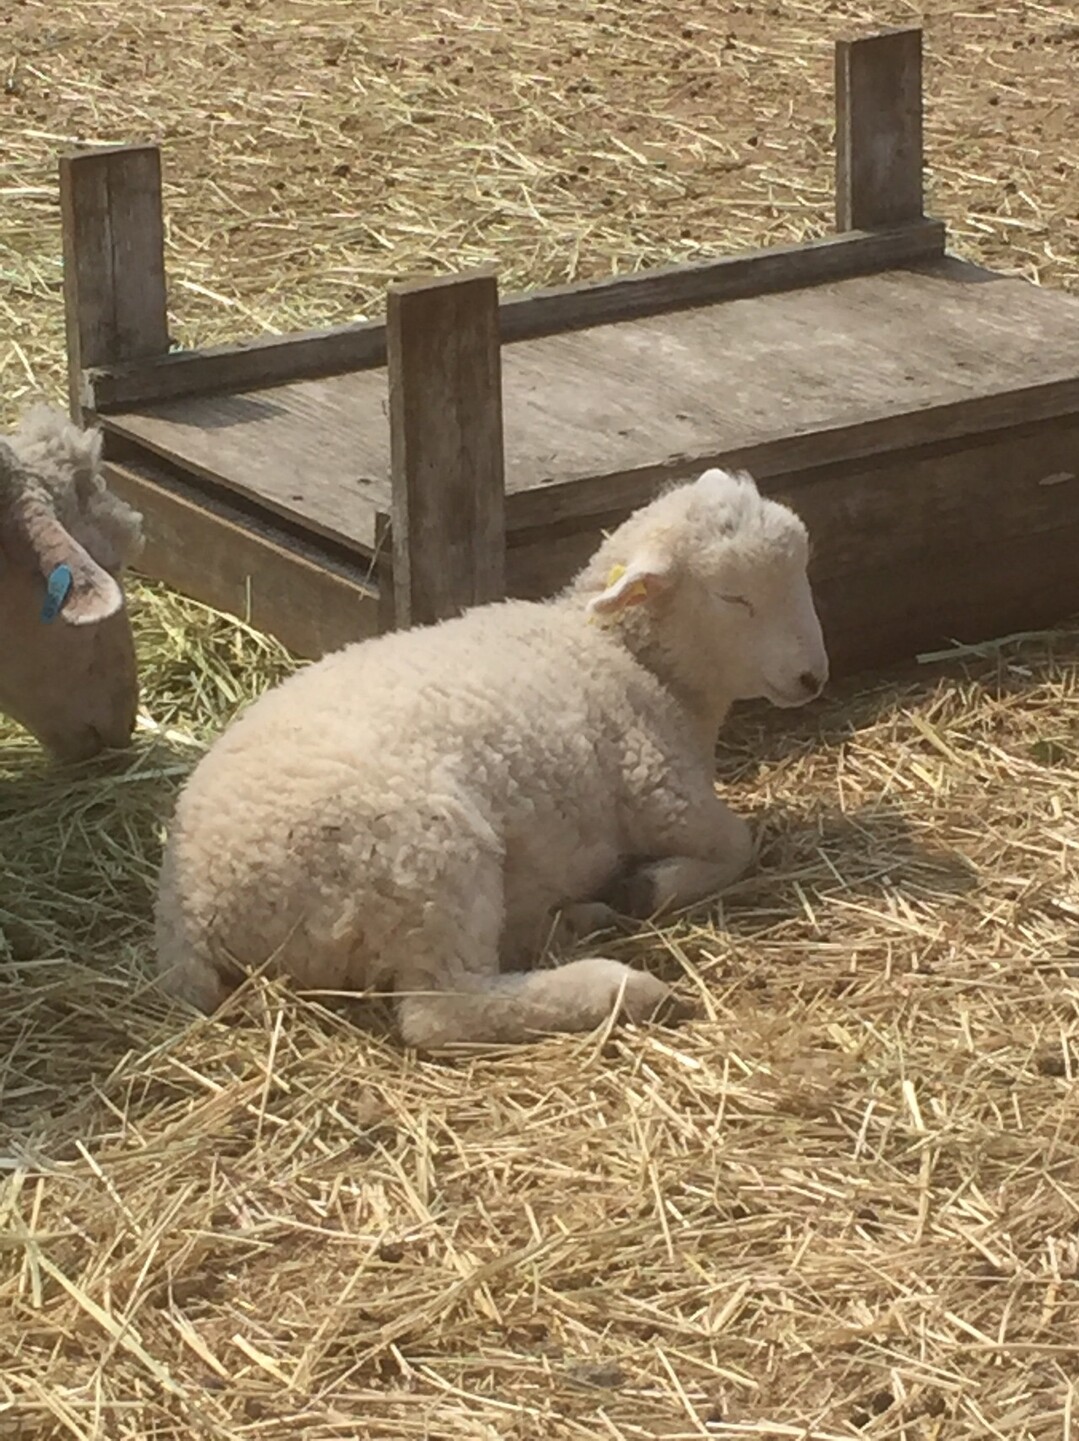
411 811
67 659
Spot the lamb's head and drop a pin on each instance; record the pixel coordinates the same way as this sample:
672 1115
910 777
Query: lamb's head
67 658
709 584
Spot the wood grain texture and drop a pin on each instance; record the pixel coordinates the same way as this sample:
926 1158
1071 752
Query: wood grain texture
245 365
244 567
600 495
277 360
114 262
448 491
600 418
879 157
317 451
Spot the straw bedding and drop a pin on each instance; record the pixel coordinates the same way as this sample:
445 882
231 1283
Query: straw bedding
841 1202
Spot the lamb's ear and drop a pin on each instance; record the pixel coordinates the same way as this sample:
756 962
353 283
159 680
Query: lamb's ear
642 580
77 588
723 483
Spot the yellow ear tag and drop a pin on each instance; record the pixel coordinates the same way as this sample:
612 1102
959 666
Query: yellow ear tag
637 591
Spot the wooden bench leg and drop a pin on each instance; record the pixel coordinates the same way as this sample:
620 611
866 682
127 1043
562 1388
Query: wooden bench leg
448 504
879 160
114 261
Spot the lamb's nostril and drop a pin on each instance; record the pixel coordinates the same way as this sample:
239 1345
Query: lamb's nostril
810 682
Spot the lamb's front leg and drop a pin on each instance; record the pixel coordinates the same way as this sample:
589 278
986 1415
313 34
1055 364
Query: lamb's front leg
699 850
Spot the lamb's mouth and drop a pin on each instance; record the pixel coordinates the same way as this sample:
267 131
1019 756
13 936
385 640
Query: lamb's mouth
785 699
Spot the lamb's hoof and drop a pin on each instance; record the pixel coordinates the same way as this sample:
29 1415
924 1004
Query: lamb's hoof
597 990
648 999
586 918
675 1010
635 893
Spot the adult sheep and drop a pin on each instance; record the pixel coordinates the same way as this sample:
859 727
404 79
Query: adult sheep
67 659
410 810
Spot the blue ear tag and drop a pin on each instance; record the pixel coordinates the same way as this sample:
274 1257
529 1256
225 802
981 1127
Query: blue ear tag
57 587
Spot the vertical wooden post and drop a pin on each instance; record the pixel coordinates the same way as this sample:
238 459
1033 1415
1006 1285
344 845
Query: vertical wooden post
879 161
443 346
114 260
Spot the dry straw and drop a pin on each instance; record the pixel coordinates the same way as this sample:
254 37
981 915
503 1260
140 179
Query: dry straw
842 1202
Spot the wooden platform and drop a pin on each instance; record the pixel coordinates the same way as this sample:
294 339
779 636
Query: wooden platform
922 414
591 409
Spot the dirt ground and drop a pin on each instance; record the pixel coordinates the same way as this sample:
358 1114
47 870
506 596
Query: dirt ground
844 1202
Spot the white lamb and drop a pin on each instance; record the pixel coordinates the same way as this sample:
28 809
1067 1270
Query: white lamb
411 810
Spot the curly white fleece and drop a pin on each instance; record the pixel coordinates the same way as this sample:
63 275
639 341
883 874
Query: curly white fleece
409 811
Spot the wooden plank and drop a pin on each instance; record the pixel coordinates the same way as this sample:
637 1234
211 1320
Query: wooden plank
879 159
1029 583
591 413
448 491
256 364
912 550
246 568
604 495
769 271
279 360
318 451
114 262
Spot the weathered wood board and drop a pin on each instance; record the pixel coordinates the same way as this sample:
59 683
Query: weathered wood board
362 345
311 600
592 408
448 485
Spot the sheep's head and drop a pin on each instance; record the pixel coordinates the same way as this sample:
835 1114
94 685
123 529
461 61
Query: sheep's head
67 659
709 582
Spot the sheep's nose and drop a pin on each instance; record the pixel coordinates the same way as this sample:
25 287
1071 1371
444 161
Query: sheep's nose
811 682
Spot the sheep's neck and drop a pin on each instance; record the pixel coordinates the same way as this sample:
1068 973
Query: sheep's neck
705 698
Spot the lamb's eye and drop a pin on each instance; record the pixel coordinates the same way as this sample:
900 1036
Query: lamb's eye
739 600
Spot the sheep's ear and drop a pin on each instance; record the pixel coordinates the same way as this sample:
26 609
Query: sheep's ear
77 588
723 483
631 585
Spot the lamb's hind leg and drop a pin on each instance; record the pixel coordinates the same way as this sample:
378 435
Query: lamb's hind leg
197 982
449 986
578 996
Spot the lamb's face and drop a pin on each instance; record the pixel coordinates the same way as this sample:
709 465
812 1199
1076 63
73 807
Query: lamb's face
720 576
751 612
